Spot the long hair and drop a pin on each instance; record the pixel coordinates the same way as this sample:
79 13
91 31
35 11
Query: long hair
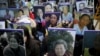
26 33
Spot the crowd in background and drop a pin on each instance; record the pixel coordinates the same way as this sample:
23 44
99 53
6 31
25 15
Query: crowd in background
78 15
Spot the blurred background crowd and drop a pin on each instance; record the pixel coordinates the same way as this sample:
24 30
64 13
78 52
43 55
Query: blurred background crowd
35 17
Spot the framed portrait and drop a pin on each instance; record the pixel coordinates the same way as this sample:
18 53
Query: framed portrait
49 6
2 12
39 10
91 42
3 4
49 16
88 11
56 35
61 5
81 5
12 12
11 39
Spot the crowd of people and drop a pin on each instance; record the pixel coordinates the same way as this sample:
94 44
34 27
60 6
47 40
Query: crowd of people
42 15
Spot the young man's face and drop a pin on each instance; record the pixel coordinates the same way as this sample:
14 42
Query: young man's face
85 20
53 19
60 50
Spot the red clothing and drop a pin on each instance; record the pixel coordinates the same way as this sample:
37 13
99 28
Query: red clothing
31 15
76 21
43 23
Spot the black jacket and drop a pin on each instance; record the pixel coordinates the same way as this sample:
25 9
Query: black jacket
11 52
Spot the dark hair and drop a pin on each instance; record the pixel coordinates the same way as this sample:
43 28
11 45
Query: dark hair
48 4
21 11
55 35
17 36
81 17
26 33
56 16
60 41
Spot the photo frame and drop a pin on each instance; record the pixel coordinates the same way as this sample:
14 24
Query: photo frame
12 13
53 32
61 5
89 37
36 9
81 5
90 42
6 40
48 15
3 4
88 11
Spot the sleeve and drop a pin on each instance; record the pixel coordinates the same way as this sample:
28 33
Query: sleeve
74 27
71 17
6 52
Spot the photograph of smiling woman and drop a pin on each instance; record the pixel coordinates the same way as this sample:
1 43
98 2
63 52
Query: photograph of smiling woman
14 48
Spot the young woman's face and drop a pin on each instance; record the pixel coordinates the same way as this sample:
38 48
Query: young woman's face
60 50
13 43
48 8
40 12
85 20
53 19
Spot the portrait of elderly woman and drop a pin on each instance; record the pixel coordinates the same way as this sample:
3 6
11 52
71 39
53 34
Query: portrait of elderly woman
60 42
60 49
